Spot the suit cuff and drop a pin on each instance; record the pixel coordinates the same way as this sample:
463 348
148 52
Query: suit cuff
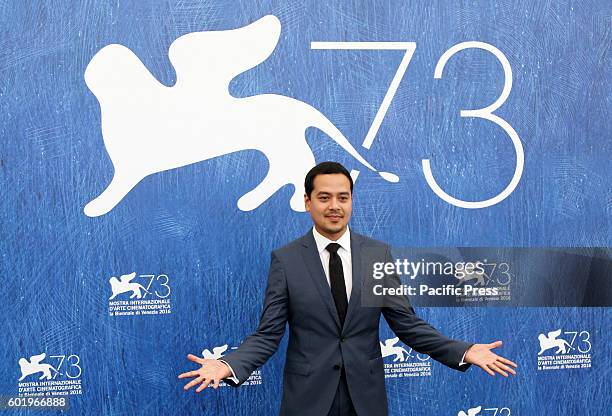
462 363
233 377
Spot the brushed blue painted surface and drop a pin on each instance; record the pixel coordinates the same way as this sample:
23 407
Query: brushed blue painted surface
56 262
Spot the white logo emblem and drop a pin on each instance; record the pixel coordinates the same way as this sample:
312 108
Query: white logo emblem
34 366
564 350
551 341
150 128
124 284
389 348
471 412
217 352
150 298
403 363
63 378
474 275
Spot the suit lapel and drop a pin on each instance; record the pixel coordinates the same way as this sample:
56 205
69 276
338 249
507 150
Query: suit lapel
317 274
356 272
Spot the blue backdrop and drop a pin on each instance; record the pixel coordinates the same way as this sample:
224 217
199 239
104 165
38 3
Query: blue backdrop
182 234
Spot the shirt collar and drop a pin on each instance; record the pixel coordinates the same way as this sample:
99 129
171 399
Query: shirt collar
322 241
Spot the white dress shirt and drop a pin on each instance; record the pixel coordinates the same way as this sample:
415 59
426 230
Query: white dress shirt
345 255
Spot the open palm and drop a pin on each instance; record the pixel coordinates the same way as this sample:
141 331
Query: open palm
212 371
482 356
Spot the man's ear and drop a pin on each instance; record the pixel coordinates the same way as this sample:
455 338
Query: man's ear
307 202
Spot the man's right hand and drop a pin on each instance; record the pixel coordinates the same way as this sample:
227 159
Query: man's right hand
212 371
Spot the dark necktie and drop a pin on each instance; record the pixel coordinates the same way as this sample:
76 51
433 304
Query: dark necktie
336 280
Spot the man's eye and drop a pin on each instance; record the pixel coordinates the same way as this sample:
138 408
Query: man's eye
323 198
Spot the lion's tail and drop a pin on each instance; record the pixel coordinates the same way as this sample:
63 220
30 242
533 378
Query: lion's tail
143 288
322 123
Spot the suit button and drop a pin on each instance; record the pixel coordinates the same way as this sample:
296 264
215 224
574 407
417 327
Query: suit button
342 339
336 366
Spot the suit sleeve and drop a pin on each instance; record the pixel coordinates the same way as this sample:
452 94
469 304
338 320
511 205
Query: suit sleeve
258 347
418 334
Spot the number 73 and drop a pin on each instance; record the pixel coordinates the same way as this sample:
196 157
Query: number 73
486 113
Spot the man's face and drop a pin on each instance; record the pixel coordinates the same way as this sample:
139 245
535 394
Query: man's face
330 204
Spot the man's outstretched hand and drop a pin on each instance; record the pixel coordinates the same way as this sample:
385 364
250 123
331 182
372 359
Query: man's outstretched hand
212 371
482 356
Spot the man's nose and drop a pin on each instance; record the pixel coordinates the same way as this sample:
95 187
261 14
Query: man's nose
333 203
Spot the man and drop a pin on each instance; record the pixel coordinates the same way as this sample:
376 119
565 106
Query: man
334 364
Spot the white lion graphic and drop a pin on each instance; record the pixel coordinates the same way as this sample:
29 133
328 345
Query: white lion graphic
389 348
471 412
124 284
551 341
35 366
149 128
216 353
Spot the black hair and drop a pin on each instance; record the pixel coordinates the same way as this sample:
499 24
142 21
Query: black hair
325 168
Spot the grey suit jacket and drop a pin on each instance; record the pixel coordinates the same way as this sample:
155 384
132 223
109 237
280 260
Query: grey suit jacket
298 294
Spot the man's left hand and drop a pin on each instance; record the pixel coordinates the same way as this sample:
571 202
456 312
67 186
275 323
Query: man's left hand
482 356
